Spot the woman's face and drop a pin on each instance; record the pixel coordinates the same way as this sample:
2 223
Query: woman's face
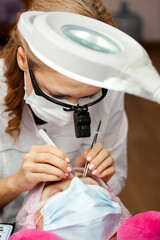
55 84
60 86
54 187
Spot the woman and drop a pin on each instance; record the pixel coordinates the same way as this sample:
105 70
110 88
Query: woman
25 161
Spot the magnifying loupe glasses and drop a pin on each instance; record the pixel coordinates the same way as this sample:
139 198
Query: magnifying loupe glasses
82 120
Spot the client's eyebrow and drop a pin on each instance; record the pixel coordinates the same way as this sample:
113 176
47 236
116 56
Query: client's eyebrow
81 175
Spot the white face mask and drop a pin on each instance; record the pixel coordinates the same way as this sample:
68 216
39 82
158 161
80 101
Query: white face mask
84 211
51 112
48 111
45 110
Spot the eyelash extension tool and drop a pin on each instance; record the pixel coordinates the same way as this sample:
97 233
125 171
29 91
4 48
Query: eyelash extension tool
94 141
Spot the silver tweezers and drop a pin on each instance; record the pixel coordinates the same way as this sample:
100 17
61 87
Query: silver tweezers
94 141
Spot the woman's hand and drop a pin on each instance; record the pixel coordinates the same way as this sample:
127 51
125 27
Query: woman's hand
101 164
42 164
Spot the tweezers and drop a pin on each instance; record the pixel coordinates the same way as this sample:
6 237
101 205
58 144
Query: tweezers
93 142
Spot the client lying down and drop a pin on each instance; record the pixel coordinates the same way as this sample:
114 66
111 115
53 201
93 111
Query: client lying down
74 208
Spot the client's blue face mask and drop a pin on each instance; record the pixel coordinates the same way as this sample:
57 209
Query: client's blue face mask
81 212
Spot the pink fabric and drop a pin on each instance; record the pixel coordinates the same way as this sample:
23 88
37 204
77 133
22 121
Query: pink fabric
25 217
143 226
34 234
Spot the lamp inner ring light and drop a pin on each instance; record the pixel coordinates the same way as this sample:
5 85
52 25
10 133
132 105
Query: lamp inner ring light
91 39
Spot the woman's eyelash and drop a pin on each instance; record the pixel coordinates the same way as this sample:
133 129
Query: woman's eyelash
58 97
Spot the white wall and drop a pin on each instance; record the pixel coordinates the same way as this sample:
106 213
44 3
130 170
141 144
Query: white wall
148 10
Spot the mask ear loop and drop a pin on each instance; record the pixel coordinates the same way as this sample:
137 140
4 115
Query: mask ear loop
25 77
40 204
25 82
36 223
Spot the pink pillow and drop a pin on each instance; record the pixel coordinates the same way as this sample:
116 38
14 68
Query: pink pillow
143 226
36 234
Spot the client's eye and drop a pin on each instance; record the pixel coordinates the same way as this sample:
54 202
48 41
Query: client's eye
80 175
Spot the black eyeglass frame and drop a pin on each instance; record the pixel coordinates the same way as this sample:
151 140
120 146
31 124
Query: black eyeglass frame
70 107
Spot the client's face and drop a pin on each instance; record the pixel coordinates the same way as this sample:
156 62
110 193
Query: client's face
54 187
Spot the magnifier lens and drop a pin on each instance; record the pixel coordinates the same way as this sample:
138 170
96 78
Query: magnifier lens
91 39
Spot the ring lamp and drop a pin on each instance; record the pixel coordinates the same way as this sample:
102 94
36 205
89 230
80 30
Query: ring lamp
91 52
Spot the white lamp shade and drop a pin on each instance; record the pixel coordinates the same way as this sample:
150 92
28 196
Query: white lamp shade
91 52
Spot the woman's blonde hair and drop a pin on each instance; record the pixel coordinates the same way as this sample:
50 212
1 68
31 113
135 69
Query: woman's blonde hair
14 75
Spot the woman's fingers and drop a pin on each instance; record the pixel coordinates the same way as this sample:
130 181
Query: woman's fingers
101 156
48 158
107 174
50 149
26 178
42 177
101 169
94 151
48 169
42 163
107 163
101 164
50 155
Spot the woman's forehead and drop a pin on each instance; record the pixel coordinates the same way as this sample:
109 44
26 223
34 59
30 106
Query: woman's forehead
61 84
